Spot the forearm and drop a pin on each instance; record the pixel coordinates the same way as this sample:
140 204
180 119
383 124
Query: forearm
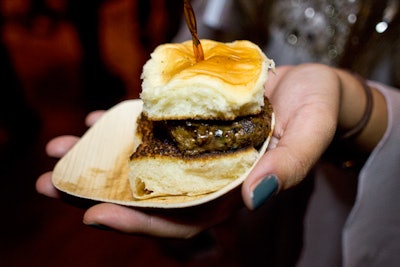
352 107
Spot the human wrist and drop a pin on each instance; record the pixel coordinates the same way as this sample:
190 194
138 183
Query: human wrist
352 101
356 105
361 107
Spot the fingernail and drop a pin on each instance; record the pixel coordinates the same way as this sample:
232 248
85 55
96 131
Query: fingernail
264 190
99 227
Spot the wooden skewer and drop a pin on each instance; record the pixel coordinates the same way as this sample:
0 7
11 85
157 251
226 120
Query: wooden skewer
192 25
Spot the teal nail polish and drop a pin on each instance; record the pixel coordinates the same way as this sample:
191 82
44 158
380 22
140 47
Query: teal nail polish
264 190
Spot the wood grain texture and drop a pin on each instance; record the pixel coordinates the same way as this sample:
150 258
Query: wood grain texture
97 166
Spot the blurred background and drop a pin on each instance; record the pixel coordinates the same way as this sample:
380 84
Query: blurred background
59 60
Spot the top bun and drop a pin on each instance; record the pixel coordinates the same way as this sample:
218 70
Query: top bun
228 83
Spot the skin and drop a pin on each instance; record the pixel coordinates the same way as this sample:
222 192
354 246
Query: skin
309 100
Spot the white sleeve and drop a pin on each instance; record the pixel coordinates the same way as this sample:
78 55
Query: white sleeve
371 236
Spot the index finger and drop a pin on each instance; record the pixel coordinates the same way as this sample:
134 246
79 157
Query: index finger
45 186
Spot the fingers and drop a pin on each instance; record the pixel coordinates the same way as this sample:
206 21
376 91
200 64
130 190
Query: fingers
169 223
131 221
59 146
94 116
45 187
266 178
125 219
290 158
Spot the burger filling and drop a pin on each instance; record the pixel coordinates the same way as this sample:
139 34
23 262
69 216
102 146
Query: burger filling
196 137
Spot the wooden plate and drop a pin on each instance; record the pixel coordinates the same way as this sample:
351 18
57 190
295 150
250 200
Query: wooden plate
97 166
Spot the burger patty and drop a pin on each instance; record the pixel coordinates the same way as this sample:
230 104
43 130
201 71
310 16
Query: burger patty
200 136
195 137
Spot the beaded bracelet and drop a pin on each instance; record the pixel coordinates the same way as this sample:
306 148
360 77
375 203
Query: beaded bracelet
357 129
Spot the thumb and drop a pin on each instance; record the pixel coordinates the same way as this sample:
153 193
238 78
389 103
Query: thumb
271 175
306 105
287 161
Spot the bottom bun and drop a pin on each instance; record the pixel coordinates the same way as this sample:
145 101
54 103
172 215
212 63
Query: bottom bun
98 166
160 176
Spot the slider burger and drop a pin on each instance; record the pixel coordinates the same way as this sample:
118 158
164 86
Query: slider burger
202 123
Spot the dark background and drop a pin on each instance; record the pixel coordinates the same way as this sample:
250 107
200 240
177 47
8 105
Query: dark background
59 60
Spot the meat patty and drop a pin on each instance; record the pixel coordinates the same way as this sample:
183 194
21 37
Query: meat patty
194 137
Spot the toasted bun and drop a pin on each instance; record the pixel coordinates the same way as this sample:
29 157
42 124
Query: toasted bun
160 176
97 167
228 83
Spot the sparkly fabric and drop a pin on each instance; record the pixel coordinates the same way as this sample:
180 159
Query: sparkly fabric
351 219
299 31
318 29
